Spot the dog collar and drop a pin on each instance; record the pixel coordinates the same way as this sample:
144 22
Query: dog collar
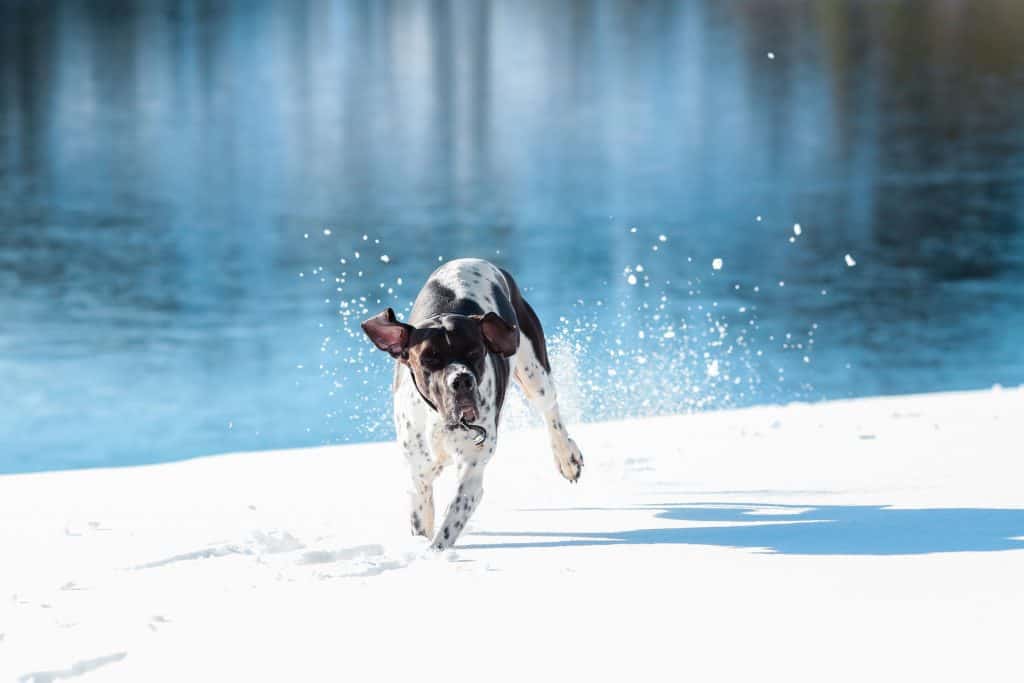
420 392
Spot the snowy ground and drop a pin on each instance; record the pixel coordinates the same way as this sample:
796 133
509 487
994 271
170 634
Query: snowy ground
875 540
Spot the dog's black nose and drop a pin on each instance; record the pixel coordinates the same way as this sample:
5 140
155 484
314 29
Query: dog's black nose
463 382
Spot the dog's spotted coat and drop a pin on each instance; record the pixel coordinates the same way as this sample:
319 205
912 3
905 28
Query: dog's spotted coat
469 331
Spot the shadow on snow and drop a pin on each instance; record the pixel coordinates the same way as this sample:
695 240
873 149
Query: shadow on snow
801 529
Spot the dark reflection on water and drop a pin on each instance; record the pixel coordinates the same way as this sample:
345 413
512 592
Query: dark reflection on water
161 162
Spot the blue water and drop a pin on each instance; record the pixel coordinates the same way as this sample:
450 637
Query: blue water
168 171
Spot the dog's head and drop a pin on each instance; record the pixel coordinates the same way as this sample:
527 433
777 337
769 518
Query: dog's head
447 355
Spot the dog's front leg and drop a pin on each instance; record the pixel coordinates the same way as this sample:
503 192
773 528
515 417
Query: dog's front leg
466 499
421 497
423 470
467 496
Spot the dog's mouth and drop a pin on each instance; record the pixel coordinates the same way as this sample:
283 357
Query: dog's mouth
464 414
467 412
463 409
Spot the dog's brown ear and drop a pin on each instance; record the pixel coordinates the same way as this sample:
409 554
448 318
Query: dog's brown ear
499 335
388 333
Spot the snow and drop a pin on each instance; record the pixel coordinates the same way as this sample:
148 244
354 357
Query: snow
850 263
877 539
716 264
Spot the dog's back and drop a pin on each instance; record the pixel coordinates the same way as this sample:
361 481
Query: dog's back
473 286
467 286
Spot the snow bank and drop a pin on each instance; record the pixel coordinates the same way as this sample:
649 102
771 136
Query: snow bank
877 539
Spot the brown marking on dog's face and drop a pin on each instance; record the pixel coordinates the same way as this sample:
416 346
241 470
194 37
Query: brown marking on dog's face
447 355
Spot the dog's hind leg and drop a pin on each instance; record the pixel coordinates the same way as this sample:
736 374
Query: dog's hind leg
535 381
533 375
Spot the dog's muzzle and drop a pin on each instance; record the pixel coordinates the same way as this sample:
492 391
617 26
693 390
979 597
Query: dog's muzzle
462 385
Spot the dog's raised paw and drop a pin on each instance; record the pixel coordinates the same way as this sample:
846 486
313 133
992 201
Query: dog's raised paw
571 464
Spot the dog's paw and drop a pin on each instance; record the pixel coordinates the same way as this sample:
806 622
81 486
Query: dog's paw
445 538
570 462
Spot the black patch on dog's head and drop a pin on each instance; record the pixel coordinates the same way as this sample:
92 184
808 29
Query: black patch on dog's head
437 298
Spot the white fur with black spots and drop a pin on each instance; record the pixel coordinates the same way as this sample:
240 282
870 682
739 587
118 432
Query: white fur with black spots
465 305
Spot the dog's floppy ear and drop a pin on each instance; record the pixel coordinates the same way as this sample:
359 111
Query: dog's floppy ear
499 336
388 333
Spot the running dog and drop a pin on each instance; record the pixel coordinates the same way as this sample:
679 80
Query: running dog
469 331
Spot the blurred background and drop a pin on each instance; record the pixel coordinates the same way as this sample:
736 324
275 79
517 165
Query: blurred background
710 204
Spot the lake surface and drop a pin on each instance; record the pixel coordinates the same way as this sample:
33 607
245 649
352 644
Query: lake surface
184 187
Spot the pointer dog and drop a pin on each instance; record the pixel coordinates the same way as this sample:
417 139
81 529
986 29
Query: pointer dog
470 330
